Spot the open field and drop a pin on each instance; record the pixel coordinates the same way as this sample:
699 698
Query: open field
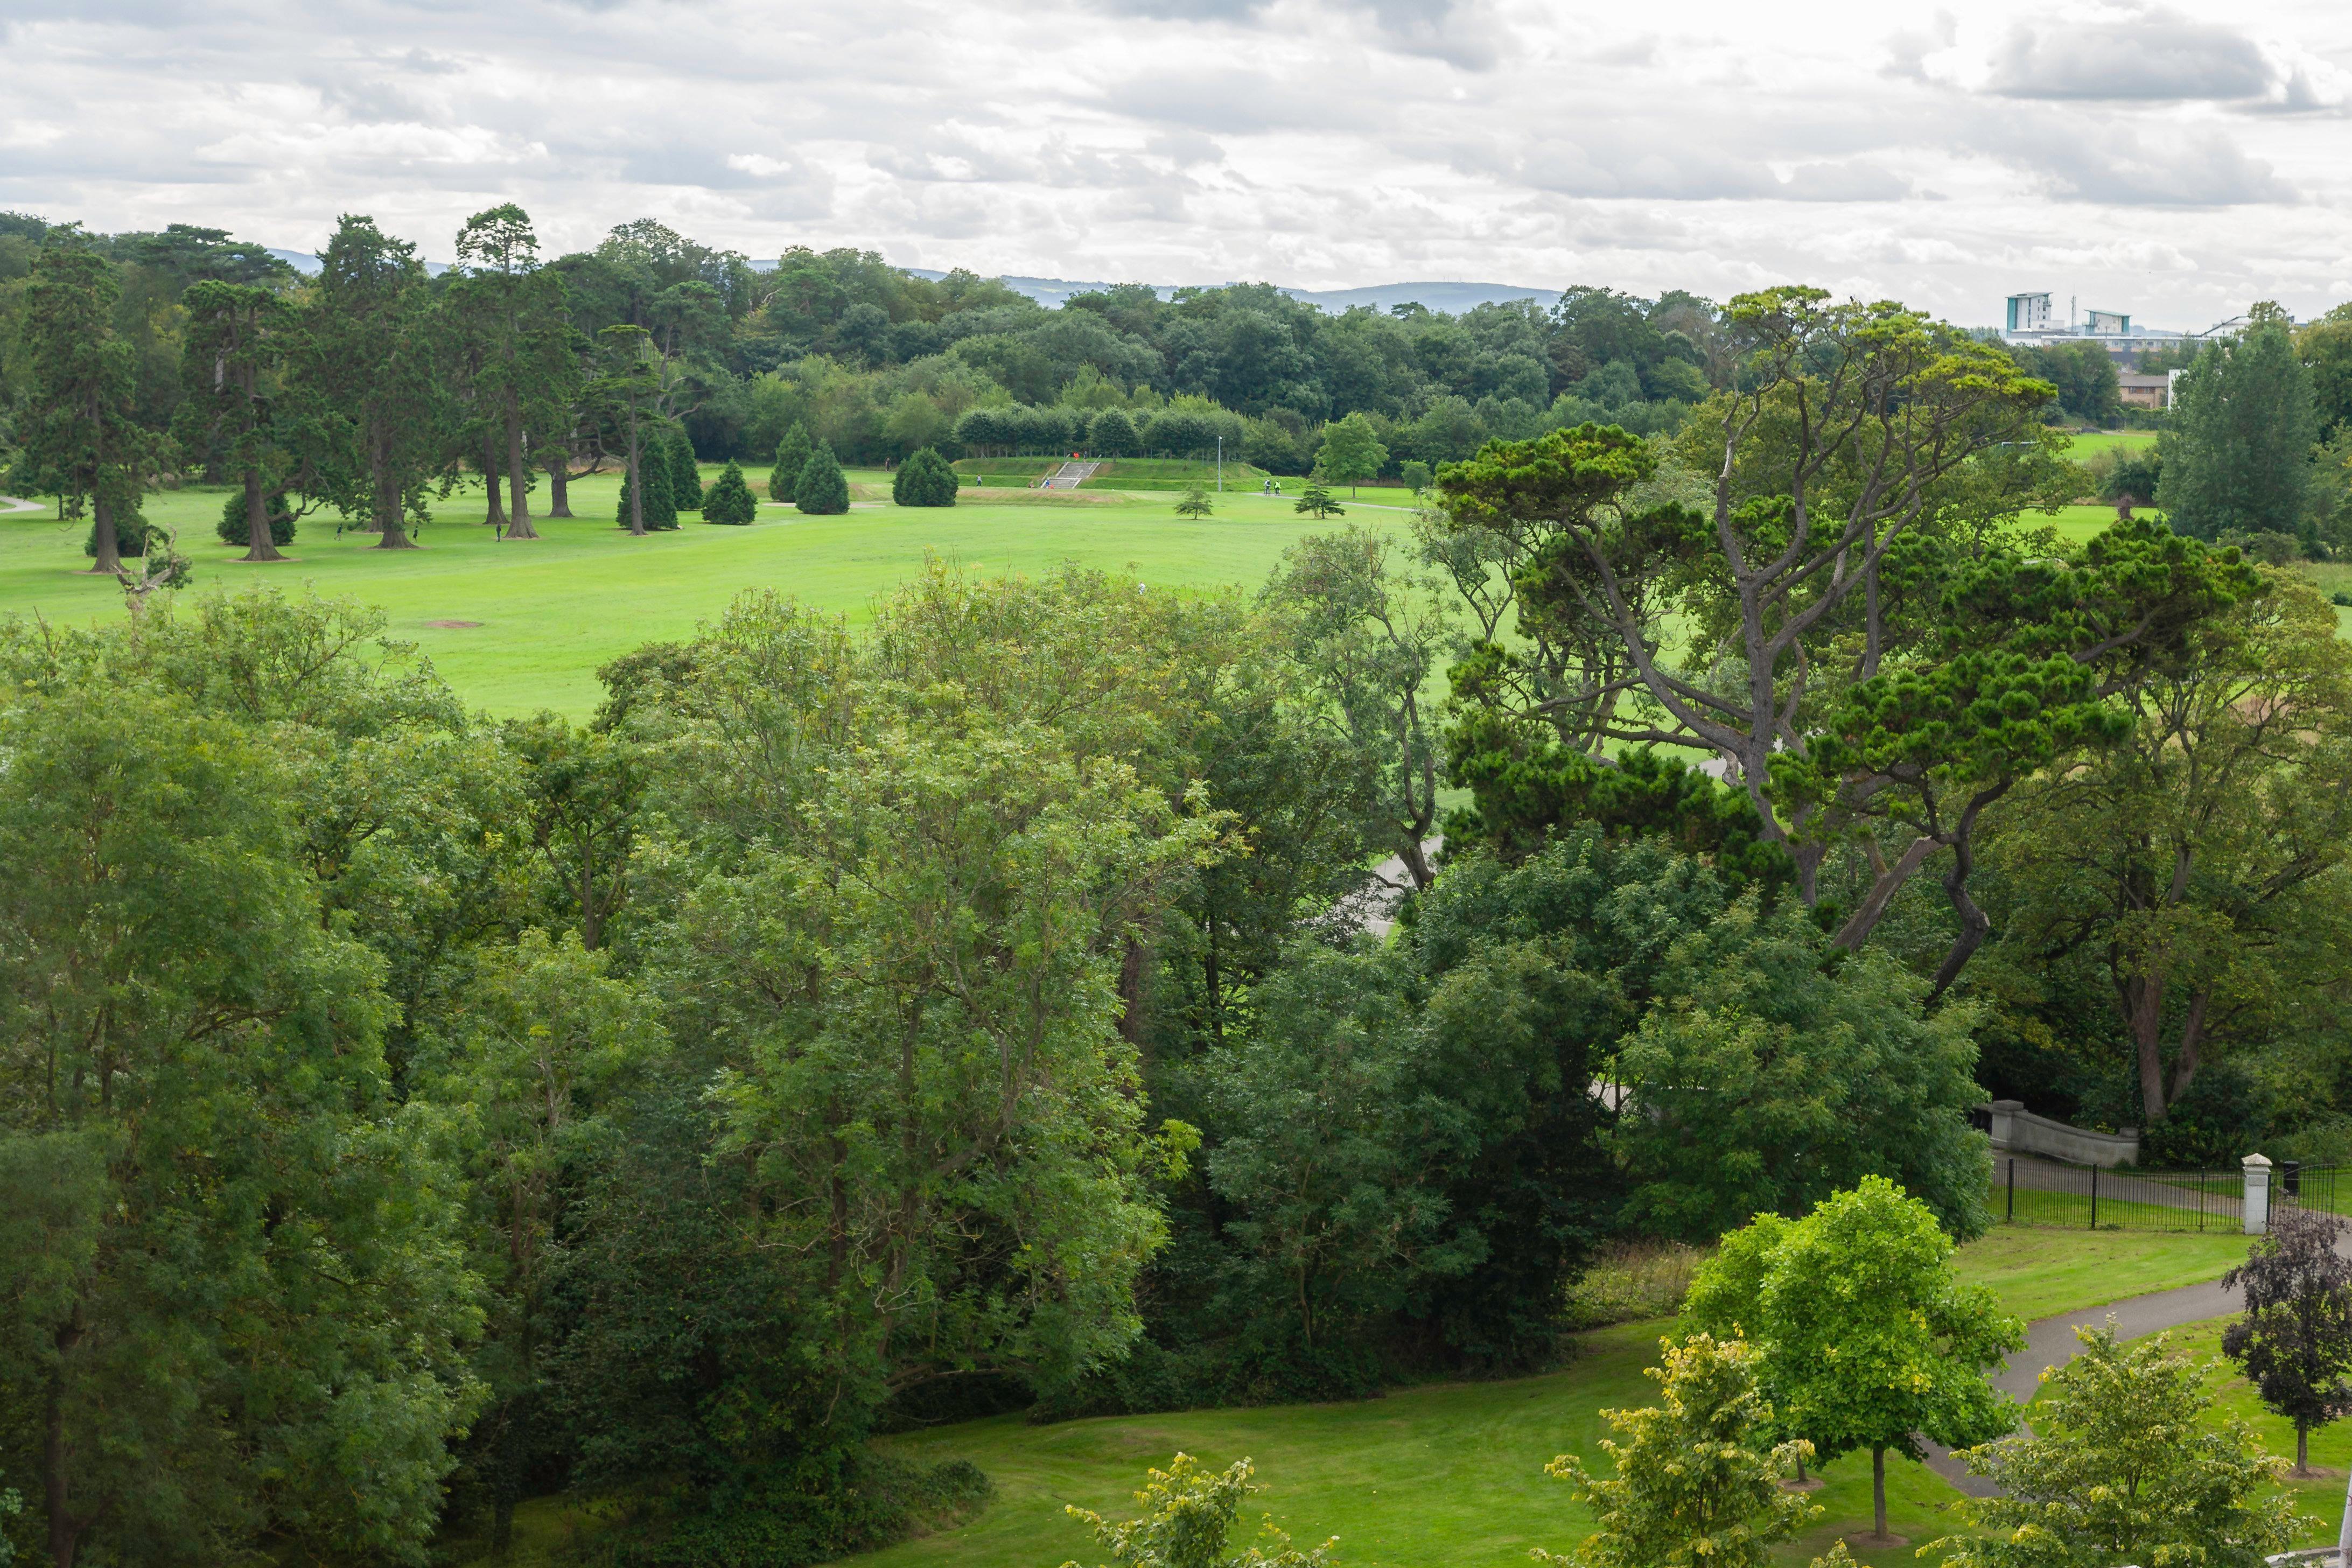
2089 444
1451 1475
548 613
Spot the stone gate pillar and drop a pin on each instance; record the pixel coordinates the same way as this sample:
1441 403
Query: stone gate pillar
2258 1194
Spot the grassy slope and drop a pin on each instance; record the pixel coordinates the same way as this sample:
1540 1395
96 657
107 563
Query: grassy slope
2331 1447
550 612
1453 1474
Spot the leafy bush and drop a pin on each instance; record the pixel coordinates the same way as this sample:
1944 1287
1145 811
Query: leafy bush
1631 1280
857 1503
233 528
924 480
2216 1122
1188 1510
821 490
730 500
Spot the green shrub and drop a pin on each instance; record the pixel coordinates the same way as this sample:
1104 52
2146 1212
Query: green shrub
233 526
730 500
829 1507
791 457
1634 1281
2215 1123
821 489
924 480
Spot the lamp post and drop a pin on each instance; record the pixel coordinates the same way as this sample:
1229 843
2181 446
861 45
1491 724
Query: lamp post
1221 465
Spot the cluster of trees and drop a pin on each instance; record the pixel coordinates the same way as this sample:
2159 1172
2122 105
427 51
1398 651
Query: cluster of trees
985 1010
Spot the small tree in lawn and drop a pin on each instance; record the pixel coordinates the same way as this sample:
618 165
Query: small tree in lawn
1317 500
1195 502
730 500
924 480
822 490
1697 1486
2295 1343
1866 1340
2125 1465
1352 451
1416 476
1188 1511
791 457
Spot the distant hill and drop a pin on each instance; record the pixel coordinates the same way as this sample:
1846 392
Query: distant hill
1451 298
305 263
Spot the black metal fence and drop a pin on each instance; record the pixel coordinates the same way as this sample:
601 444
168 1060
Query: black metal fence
2032 1191
2029 1190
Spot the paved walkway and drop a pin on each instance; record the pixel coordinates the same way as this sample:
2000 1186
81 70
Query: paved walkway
2051 1342
1374 905
10 503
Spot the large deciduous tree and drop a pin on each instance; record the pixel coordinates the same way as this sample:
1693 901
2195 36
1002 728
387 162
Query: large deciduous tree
238 1301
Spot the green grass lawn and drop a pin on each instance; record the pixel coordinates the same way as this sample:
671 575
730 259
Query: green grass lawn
2090 444
548 613
2039 1273
1449 1474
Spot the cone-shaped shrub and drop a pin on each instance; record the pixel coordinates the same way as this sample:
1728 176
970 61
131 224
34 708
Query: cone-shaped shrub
791 457
730 500
821 491
685 479
924 480
661 504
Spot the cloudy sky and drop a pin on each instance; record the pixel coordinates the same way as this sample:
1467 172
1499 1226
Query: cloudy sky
2175 160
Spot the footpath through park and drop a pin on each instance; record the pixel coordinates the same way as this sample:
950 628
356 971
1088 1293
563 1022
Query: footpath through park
2052 1342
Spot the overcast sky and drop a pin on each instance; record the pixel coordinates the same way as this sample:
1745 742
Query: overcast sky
2176 162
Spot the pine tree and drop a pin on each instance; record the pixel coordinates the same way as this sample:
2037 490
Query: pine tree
685 479
924 480
1318 500
1195 502
791 457
653 482
730 500
821 491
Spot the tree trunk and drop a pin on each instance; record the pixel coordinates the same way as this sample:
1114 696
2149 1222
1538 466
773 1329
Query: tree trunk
497 517
65 1530
2144 1011
1878 1491
2301 1449
517 475
110 549
558 486
2186 1061
389 522
1888 882
258 545
636 482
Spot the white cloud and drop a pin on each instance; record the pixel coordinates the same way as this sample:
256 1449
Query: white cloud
2178 162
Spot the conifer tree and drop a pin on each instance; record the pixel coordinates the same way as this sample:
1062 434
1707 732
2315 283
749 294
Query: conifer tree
924 480
791 457
822 490
685 478
730 500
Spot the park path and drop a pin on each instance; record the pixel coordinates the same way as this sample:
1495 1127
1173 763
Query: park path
10 503
1375 904
2051 1342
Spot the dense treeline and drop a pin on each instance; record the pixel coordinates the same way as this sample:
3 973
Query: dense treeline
405 1113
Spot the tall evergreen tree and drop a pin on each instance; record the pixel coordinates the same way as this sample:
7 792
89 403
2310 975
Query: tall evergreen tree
821 490
621 397
370 360
83 431
730 500
924 480
2238 457
238 408
791 457
514 315
685 477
